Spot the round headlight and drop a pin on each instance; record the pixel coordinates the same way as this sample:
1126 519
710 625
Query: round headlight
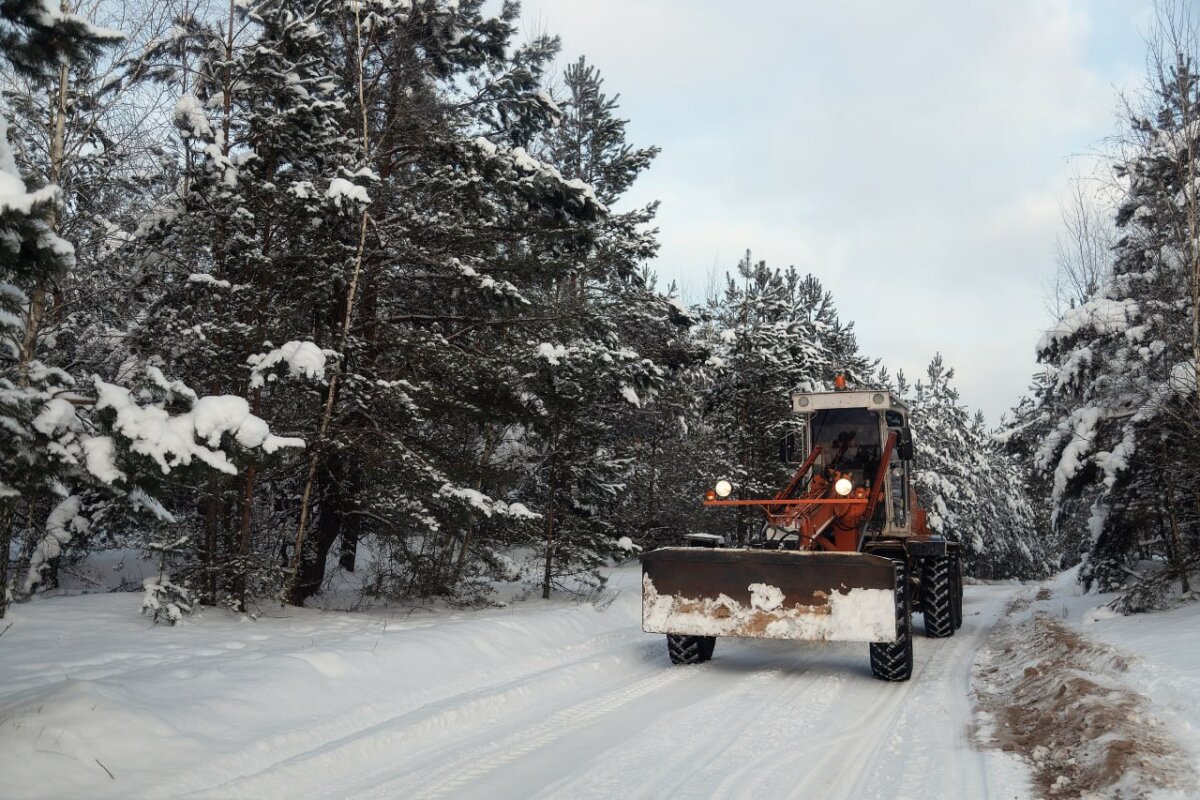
843 486
723 488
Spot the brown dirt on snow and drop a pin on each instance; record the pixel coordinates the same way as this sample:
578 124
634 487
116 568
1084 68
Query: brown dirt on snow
1060 702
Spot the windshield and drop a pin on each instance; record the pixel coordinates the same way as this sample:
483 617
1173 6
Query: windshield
849 441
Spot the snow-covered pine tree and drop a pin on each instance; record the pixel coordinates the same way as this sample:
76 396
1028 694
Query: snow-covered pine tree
60 462
94 132
1022 430
1121 453
467 232
246 263
666 469
37 42
972 490
611 328
773 332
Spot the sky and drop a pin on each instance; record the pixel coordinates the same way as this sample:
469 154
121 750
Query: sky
911 155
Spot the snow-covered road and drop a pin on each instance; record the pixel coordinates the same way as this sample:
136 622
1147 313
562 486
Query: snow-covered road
534 700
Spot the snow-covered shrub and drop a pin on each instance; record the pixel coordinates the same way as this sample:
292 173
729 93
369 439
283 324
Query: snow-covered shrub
164 601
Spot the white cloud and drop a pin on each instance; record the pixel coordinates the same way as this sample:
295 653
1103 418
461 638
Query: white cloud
908 154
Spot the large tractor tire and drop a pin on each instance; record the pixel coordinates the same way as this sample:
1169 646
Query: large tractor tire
690 649
958 591
893 661
939 595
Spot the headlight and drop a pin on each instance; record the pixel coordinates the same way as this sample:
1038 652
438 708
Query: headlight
843 486
723 488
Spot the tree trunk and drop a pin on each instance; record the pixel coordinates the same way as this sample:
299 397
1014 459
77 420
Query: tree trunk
37 298
550 532
351 523
245 525
212 515
490 439
6 517
349 544
1176 548
311 571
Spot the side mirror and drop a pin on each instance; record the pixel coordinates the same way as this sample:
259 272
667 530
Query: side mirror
904 447
787 448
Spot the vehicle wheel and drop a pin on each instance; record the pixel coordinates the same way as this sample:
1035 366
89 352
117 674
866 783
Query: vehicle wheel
893 661
938 591
690 649
958 591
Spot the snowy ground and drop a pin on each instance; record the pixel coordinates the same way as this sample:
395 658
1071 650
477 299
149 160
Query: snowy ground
541 699
1100 705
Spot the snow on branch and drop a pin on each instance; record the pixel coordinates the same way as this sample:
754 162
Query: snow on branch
303 359
62 525
177 440
487 505
531 171
1100 314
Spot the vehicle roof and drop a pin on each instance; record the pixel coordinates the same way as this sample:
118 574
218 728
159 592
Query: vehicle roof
870 399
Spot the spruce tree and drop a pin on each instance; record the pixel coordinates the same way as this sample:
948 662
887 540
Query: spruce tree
1124 378
971 489
773 332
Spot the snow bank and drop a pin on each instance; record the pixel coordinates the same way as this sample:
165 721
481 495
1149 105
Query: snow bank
1074 708
222 705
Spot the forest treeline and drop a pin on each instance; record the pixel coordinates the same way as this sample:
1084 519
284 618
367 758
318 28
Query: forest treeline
1110 430
282 280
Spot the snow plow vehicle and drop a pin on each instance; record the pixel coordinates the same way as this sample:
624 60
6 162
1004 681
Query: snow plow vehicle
844 552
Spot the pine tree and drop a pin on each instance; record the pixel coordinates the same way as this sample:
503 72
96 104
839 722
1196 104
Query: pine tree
615 327
972 490
773 332
1022 431
35 42
1123 396
84 453
469 234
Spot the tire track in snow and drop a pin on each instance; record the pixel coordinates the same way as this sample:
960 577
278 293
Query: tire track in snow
746 733
696 732
944 692
753 723
895 760
472 765
788 735
318 747
878 734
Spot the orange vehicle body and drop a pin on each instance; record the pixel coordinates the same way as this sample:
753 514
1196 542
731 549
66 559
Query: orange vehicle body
822 520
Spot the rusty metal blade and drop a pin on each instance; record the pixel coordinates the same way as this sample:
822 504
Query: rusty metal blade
770 594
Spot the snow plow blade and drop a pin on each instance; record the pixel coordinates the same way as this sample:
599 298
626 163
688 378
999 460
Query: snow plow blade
769 594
